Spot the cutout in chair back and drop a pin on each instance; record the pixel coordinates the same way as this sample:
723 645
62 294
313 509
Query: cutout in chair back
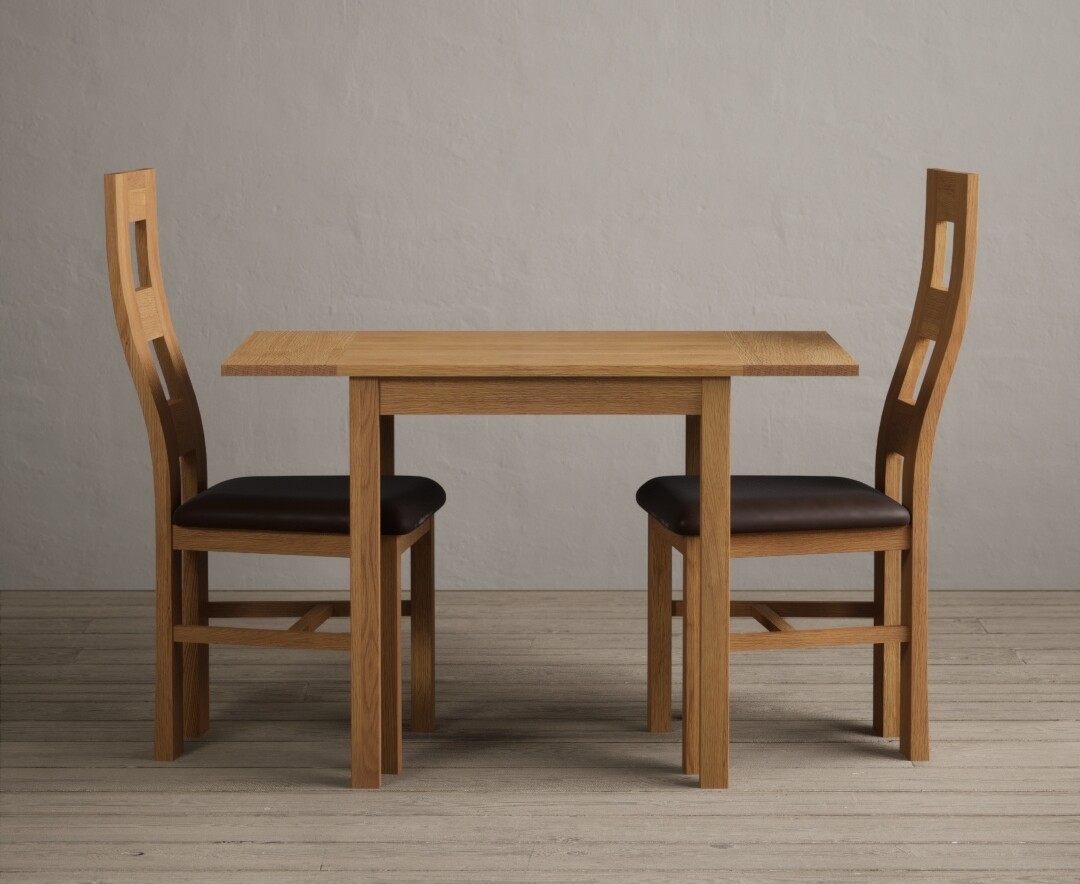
944 237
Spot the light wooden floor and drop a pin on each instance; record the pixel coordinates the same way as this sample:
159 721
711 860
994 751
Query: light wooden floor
541 769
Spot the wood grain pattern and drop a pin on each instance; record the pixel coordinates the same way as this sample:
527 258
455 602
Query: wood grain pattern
690 611
314 617
287 354
691 655
818 638
147 304
715 585
541 396
498 354
908 428
390 582
801 543
365 583
914 657
285 543
768 617
829 608
140 307
793 354
195 610
169 690
248 636
406 541
886 657
178 455
804 543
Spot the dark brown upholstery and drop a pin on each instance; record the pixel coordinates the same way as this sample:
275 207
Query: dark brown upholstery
307 503
774 503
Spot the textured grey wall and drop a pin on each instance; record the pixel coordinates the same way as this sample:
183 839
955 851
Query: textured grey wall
538 165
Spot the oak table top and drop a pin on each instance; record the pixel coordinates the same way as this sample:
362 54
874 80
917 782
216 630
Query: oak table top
539 354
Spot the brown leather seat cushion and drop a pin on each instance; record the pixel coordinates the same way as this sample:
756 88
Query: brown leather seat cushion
774 503
307 503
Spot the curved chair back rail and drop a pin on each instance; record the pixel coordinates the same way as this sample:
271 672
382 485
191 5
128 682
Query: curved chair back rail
910 417
169 407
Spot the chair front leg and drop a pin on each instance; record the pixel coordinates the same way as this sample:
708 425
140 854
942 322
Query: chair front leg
422 632
887 655
691 728
659 626
196 656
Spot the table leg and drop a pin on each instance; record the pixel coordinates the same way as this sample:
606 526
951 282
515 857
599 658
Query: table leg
715 601
364 583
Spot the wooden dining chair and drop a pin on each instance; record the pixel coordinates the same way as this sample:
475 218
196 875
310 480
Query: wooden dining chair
807 515
278 515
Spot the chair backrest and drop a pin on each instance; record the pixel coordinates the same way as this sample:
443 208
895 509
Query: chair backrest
173 423
913 405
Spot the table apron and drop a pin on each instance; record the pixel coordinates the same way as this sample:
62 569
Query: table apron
576 395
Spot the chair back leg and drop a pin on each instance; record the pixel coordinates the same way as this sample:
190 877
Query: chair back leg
390 577
422 632
691 654
169 662
659 626
914 692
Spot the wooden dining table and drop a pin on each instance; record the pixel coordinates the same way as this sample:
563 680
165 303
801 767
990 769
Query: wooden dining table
536 373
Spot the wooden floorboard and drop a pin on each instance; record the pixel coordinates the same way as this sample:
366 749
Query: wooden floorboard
541 769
